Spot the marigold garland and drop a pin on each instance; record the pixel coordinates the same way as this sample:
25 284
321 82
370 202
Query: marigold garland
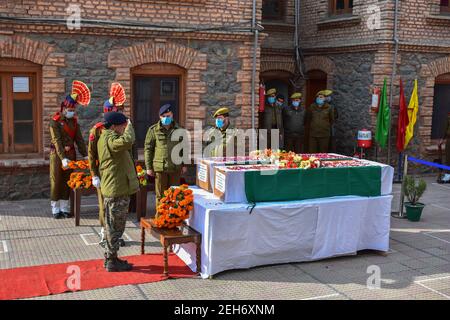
80 164
141 175
174 207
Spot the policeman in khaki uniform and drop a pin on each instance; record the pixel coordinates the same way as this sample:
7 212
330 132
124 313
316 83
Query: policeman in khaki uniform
118 183
272 118
225 131
65 133
158 153
113 104
320 116
294 123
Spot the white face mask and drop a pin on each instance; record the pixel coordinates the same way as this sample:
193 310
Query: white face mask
70 114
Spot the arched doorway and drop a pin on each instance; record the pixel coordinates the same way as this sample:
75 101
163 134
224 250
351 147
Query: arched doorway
441 105
316 80
154 85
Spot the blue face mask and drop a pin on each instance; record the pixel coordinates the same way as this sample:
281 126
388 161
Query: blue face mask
320 101
296 104
271 100
220 123
280 104
70 114
166 121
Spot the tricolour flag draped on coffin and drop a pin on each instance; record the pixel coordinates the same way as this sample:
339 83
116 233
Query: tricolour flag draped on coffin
413 108
383 118
403 120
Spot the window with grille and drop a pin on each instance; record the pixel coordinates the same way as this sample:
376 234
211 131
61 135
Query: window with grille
445 6
338 7
273 9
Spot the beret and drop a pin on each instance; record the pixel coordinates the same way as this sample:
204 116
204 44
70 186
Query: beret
271 91
280 96
221 112
165 108
296 95
116 118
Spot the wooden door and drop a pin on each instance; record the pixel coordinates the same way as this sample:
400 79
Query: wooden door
150 93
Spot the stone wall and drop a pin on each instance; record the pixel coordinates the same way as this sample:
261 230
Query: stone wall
18 183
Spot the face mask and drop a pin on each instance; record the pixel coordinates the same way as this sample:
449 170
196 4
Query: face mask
320 102
296 104
280 104
70 114
271 100
220 123
166 121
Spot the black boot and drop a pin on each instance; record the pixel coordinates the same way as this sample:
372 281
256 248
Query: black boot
114 265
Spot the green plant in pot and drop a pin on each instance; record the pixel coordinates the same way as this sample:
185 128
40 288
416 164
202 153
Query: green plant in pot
413 191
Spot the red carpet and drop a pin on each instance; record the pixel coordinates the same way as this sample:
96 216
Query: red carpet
50 279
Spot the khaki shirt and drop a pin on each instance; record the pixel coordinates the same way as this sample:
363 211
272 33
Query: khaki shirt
158 148
320 120
61 139
117 171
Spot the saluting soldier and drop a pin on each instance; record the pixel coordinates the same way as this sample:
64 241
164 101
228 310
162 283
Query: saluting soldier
158 153
65 133
272 118
446 139
118 182
225 131
320 116
113 104
294 124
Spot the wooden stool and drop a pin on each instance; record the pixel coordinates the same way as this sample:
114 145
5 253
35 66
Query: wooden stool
169 237
75 202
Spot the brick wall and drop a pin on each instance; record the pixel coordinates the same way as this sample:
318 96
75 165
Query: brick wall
159 12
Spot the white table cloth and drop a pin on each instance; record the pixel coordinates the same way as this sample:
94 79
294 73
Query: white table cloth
284 232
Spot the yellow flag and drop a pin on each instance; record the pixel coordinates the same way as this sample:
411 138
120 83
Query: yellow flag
413 108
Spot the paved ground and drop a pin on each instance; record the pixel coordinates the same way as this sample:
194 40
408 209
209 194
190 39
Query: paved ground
417 267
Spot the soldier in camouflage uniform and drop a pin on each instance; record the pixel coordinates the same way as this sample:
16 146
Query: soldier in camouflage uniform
113 104
320 116
158 150
118 182
225 132
65 133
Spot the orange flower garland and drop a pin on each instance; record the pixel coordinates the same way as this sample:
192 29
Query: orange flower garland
79 180
81 164
141 176
174 207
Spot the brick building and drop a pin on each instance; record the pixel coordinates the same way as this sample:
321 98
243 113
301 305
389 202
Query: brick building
198 54
349 46
195 54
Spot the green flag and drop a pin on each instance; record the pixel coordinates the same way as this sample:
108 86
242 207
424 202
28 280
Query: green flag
383 118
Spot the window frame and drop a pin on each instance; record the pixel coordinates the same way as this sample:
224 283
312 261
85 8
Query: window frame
333 11
280 17
445 9
19 68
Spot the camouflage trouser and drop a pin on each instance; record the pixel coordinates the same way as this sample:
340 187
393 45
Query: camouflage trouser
116 210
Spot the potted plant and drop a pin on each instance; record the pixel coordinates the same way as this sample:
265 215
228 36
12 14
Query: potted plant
413 192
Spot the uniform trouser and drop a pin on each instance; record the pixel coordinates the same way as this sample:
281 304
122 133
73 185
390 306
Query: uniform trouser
293 142
101 208
318 144
116 210
163 180
59 190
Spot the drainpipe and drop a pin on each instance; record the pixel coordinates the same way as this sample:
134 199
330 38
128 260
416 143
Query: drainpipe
255 50
394 69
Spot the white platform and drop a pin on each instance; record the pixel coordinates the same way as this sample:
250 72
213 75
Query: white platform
283 232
